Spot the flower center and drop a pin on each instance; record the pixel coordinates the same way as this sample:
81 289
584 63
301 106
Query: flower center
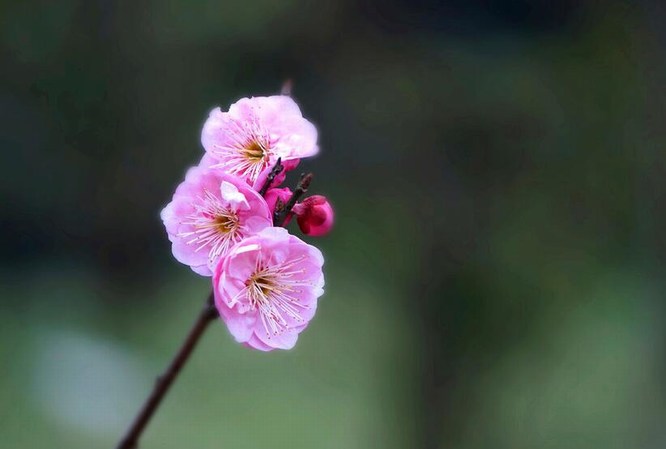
254 152
272 291
247 151
214 227
261 285
226 223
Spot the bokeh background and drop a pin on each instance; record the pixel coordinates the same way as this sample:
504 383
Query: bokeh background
495 279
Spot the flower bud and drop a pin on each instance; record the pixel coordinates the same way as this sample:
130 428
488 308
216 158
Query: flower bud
314 215
272 197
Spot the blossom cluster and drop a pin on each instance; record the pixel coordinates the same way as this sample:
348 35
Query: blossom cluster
225 221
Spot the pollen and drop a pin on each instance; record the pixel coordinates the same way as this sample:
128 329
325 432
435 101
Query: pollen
226 223
254 152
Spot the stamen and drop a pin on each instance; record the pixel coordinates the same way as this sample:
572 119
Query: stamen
269 290
254 152
248 152
215 226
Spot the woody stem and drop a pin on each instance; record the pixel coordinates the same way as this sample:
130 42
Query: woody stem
281 213
206 316
163 383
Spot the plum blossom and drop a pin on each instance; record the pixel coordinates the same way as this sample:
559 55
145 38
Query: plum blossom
266 288
255 132
210 212
314 216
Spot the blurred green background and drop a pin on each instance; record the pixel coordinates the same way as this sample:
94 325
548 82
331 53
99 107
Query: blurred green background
495 279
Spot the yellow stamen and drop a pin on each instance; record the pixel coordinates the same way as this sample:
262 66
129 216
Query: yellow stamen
254 152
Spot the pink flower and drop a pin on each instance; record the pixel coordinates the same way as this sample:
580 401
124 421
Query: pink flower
207 161
314 215
255 132
266 288
209 213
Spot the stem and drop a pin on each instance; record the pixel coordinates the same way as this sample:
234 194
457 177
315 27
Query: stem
286 87
208 314
281 213
276 170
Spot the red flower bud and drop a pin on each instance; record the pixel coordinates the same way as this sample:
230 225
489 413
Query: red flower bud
314 215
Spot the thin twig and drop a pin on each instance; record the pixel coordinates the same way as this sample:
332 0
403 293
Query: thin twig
208 314
276 170
281 213
287 86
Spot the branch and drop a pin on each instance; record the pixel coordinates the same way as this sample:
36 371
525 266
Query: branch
208 314
282 212
287 86
276 170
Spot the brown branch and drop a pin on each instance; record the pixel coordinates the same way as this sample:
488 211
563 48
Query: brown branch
208 314
287 86
282 212
276 170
